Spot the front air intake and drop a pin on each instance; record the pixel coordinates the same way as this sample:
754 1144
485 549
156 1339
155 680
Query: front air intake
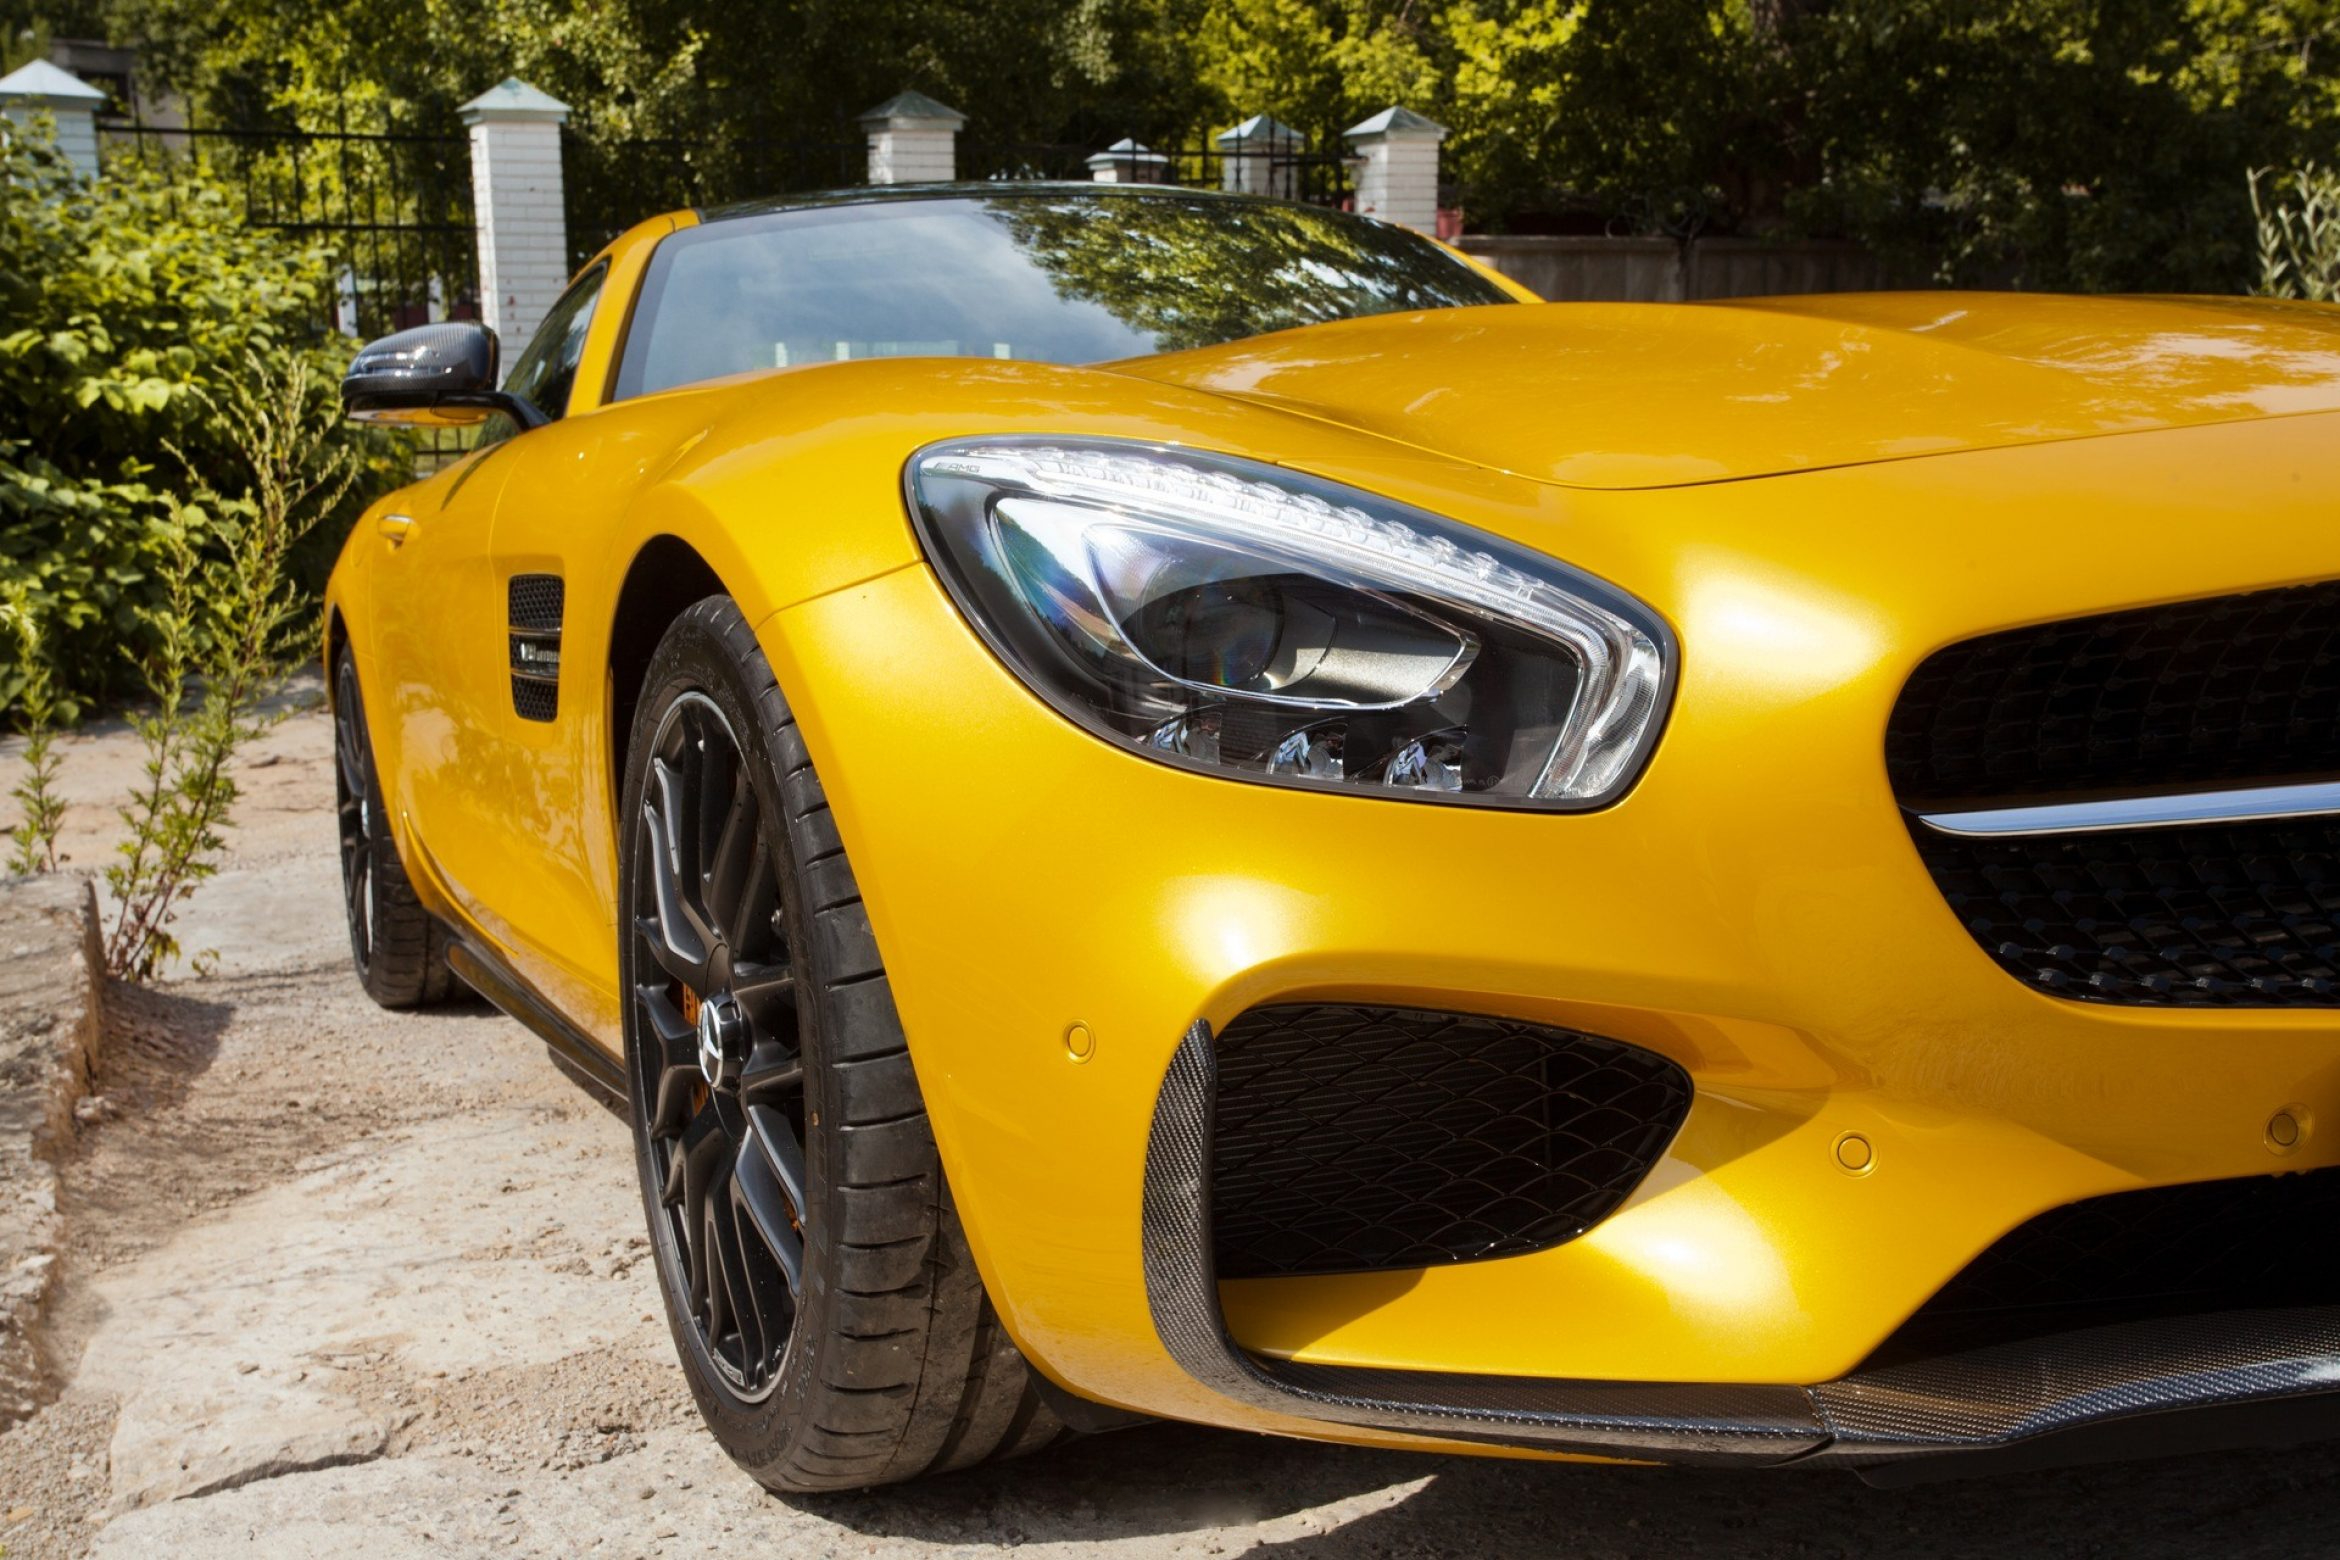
1354 1139
2255 1243
2232 703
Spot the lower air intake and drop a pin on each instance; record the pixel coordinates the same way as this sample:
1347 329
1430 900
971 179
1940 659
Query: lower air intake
1354 1139
2254 1243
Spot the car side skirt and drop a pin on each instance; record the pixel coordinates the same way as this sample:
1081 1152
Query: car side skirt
497 981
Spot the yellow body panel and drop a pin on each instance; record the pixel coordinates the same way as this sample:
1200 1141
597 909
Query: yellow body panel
1753 909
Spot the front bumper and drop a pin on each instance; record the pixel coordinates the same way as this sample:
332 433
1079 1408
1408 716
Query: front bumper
2188 1383
1754 911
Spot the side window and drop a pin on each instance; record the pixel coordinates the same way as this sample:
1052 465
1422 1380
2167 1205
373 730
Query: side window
547 371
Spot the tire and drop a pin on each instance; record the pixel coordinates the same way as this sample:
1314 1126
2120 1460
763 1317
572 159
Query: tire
398 948
818 1285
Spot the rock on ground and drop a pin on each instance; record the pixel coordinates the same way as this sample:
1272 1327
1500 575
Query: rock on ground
49 1026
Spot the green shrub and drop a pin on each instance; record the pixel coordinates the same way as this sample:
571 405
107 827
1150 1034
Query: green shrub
127 306
2299 233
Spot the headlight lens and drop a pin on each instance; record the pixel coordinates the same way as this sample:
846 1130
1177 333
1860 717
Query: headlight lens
1264 624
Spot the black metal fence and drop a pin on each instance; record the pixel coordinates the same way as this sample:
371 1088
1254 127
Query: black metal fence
392 211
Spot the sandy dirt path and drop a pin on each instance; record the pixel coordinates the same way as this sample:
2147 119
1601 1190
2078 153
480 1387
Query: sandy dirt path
349 1282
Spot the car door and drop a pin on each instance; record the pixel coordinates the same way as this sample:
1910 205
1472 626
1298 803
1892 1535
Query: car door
549 911
434 709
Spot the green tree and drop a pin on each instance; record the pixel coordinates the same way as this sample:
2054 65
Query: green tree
128 307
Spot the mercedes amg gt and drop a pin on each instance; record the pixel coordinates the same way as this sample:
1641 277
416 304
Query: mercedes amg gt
1162 804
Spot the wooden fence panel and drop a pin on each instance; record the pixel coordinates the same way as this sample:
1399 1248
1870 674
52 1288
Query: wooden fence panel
1658 270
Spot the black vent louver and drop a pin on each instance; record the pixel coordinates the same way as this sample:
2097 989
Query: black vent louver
534 603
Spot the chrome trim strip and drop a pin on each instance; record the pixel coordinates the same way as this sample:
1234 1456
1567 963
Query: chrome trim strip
2257 804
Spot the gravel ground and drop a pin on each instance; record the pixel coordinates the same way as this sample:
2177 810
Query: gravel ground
346 1281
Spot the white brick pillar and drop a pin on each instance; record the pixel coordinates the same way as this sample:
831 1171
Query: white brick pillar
1126 162
913 140
1254 158
1397 167
71 103
516 199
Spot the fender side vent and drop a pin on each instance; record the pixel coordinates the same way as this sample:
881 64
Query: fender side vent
534 603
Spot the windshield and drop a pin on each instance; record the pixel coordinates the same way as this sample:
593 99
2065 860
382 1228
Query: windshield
1048 276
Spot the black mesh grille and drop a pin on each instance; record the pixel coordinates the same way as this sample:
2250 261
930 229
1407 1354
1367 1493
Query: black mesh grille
2249 1244
536 600
534 605
1349 1139
2237 688
2227 915
532 700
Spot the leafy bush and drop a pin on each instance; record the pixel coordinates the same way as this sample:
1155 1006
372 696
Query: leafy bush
128 307
229 628
2299 233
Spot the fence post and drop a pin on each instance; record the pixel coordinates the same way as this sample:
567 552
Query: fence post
1126 162
1397 167
1254 158
913 140
72 102
516 199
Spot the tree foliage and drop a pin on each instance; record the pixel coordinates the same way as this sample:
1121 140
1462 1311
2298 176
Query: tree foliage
2054 143
2299 233
129 307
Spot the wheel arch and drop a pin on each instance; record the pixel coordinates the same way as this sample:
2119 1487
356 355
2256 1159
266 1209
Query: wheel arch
336 636
666 576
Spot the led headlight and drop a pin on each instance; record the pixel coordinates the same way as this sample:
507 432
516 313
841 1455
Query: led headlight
1263 624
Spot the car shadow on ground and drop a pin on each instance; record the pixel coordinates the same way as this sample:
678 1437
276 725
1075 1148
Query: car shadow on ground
1165 1480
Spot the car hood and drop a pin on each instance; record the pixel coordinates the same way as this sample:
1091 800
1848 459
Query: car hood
1656 395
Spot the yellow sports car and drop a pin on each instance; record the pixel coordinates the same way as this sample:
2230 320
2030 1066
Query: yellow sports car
1170 805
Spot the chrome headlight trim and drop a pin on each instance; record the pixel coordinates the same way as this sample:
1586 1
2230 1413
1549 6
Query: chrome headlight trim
1370 551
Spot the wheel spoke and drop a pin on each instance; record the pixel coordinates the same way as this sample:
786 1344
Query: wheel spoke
675 961
681 943
736 855
767 991
758 897
769 1175
674 1071
714 1260
770 1265
703 1155
773 1076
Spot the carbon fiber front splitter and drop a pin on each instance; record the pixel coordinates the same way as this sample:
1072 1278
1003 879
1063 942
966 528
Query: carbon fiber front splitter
2148 1389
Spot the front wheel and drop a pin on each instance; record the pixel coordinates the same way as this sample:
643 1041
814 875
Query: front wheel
818 1286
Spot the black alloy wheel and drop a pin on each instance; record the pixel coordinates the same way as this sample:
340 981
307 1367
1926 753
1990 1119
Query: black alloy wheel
822 1296
718 1064
398 948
